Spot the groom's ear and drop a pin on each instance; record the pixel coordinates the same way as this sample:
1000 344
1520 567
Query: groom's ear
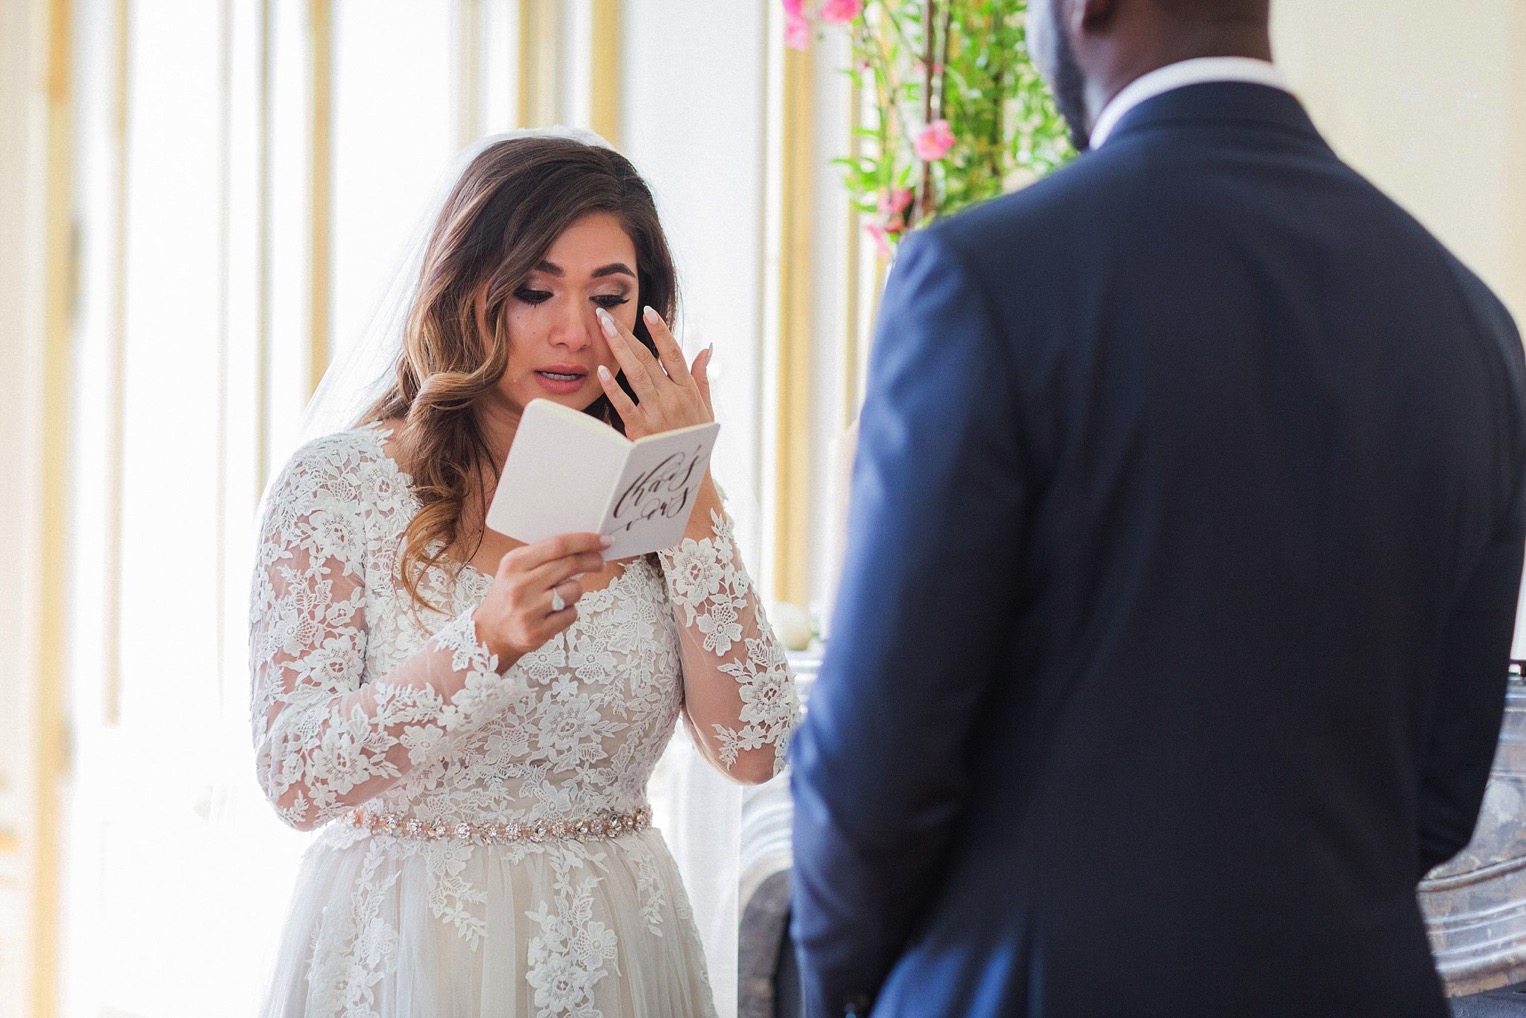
1093 15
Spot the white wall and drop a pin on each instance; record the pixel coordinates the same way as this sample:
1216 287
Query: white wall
1428 99
22 188
693 121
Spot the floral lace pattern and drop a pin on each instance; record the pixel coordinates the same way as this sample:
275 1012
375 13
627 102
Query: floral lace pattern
358 699
571 951
715 594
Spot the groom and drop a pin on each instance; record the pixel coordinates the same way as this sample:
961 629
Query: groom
1187 530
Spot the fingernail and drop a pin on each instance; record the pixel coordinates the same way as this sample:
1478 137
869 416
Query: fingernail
606 322
604 374
606 541
651 315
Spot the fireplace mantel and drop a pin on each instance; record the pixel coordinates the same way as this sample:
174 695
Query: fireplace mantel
1475 905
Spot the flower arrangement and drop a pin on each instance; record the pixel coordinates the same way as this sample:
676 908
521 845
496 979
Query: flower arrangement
957 111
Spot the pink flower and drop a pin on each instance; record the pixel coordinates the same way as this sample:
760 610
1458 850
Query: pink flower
881 241
934 141
794 8
797 31
840 11
894 202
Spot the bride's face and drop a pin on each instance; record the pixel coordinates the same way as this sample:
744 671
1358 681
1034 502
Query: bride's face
555 343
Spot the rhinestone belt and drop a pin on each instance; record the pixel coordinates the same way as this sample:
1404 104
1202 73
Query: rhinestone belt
605 825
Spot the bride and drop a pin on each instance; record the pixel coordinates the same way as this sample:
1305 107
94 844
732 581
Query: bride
472 721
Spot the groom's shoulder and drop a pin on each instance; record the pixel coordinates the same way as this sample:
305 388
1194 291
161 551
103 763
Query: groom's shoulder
1085 198
1076 197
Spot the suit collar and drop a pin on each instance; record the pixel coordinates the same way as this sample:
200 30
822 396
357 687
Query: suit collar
1179 75
1224 103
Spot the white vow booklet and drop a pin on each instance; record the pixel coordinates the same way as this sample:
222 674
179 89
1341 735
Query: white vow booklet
569 473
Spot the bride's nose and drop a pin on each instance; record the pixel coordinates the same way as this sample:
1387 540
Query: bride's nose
575 328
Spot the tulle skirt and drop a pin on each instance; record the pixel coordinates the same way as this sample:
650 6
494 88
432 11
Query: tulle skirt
396 928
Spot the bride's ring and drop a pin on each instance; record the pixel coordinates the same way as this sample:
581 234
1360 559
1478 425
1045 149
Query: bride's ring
557 604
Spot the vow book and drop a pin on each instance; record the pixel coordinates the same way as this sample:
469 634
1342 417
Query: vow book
569 473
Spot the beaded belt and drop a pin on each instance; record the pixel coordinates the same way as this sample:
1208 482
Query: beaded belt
605 825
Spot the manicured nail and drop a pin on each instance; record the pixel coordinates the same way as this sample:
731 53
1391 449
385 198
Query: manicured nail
606 322
651 315
604 375
606 540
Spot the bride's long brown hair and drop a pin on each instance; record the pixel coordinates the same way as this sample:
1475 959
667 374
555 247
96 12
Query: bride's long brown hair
512 202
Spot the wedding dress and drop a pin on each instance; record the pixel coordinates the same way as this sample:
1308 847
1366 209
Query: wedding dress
486 847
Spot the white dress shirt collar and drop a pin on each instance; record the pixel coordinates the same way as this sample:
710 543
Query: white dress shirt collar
1179 75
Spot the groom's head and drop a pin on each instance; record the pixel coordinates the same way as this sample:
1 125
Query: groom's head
1088 50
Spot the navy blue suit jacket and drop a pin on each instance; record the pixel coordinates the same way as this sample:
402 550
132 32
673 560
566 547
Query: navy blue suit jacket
1173 632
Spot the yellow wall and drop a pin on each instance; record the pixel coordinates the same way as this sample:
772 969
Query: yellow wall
1428 99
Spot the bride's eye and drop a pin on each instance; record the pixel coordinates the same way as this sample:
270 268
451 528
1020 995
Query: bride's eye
529 296
611 300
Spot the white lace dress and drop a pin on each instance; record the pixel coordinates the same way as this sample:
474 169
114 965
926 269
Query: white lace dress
484 848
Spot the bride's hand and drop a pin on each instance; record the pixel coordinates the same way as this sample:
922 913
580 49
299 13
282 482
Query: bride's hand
520 610
672 395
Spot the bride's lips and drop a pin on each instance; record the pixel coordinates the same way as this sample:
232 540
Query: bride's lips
562 379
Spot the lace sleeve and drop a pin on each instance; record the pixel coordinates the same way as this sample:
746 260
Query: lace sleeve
327 736
739 693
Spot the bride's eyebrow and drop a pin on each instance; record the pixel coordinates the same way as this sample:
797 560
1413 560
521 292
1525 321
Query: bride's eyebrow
612 269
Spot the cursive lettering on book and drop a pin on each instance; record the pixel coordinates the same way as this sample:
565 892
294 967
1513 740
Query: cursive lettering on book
663 491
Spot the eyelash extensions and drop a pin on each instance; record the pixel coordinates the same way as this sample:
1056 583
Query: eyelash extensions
541 296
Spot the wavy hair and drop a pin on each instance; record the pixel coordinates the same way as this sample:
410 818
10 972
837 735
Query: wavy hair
509 206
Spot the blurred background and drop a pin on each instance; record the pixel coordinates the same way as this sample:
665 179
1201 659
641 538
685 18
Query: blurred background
202 202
